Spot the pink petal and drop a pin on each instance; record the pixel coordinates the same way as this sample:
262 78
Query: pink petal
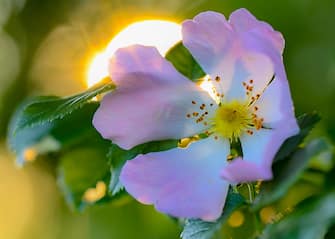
275 104
240 170
138 60
238 51
250 67
181 182
148 105
259 150
243 21
208 37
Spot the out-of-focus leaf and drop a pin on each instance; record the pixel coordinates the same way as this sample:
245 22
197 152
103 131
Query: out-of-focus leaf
286 173
310 220
46 109
119 156
83 175
184 62
63 133
198 229
115 186
306 123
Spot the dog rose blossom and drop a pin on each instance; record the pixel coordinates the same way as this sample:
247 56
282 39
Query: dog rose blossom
242 58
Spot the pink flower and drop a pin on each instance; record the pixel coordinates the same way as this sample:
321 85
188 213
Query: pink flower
243 58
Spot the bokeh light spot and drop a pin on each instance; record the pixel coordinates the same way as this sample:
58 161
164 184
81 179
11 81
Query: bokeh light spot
267 214
95 194
236 219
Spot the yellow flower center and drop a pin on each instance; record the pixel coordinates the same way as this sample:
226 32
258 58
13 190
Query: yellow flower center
232 119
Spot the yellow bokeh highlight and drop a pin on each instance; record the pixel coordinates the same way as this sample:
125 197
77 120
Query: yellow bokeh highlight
94 194
236 219
161 34
30 154
268 215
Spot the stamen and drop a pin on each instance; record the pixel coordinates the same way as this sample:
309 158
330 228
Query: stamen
232 119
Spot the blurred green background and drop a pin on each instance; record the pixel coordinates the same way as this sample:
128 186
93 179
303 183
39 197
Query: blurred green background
45 48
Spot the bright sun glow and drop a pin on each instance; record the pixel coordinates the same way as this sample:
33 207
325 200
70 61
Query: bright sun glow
161 34
208 86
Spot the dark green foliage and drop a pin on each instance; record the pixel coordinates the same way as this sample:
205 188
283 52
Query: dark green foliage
309 220
184 62
80 170
306 123
58 135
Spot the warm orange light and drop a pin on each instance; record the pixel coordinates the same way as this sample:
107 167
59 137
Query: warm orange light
30 154
161 34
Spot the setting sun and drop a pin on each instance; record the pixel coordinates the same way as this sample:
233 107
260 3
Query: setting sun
159 33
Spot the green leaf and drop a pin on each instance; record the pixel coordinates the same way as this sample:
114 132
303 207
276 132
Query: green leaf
306 123
119 156
79 170
115 186
184 62
310 220
198 229
61 134
286 173
46 109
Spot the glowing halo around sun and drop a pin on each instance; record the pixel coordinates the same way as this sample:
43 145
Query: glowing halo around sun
159 33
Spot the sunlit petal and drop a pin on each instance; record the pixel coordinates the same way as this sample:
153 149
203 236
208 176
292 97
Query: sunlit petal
181 182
